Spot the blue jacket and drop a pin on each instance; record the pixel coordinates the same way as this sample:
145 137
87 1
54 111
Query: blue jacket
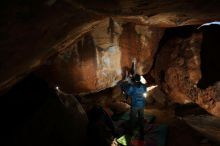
135 91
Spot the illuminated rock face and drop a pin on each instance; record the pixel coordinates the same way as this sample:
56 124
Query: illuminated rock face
98 59
84 47
179 62
140 42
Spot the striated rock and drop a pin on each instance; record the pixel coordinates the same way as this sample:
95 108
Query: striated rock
139 42
99 58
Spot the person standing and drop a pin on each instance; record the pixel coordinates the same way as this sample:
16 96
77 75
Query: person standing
137 92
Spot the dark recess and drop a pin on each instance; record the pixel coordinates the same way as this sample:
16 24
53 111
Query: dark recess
32 115
210 51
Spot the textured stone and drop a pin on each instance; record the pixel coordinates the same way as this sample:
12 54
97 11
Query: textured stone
31 32
82 50
99 58
180 67
179 59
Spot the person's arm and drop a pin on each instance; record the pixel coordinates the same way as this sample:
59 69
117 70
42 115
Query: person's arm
123 87
127 89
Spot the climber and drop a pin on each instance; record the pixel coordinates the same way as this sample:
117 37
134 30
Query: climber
137 91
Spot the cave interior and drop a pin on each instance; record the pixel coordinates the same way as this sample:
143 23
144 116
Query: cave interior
60 59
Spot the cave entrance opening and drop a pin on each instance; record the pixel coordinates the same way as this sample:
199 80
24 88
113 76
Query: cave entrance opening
210 50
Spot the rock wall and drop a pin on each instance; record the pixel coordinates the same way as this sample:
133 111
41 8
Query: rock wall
32 31
99 58
177 70
89 53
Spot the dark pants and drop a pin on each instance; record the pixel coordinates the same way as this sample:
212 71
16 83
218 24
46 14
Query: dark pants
137 119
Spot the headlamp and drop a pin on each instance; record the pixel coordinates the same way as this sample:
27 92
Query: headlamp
145 94
143 81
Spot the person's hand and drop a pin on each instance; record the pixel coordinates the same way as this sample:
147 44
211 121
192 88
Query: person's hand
134 60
